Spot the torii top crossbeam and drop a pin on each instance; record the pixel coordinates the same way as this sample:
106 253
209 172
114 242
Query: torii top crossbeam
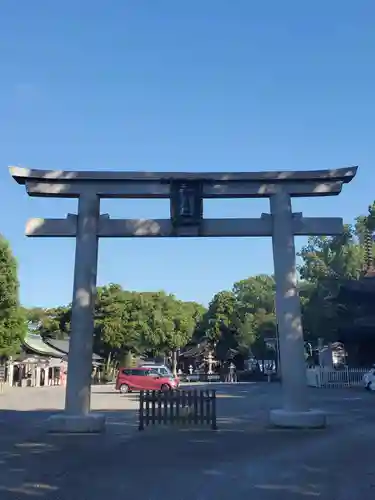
113 184
177 186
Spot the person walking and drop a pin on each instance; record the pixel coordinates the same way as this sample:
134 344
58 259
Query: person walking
232 373
2 376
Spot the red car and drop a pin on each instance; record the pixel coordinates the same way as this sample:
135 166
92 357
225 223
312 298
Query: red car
143 379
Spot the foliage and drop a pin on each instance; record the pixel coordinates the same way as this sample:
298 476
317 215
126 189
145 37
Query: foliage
218 321
12 317
332 258
127 323
326 263
241 319
49 322
255 293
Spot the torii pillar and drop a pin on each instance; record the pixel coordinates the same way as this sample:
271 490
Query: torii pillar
186 192
78 389
295 411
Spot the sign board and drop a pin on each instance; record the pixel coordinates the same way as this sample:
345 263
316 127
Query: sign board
186 203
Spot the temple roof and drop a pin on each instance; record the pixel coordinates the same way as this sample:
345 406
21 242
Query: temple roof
50 348
195 350
356 335
35 343
362 290
360 329
62 346
364 285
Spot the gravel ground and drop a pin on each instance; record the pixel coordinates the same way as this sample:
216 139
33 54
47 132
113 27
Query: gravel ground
244 457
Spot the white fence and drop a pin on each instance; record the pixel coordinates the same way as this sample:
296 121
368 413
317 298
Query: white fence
329 377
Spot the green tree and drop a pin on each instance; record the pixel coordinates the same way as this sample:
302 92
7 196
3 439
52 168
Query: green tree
172 324
118 322
12 318
195 310
256 292
255 313
246 334
34 317
319 313
150 323
365 227
326 263
184 325
332 258
264 326
219 324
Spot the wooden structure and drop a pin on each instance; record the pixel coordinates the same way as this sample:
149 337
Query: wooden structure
193 407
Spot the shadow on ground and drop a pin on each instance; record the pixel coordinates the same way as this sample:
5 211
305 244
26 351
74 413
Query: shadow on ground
245 457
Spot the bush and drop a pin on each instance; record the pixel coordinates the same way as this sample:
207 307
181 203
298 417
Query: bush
127 360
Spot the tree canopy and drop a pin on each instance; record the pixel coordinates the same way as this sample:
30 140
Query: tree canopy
12 319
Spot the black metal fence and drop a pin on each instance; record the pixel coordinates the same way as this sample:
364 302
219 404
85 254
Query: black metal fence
192 407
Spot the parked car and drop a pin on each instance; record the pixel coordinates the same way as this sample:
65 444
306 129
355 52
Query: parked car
369 379
144 379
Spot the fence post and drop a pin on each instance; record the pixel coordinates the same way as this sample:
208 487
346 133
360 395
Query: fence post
171 399
196 414
141 402
147 401
208 406
347 374
214 423
319 377
177 397
159 407
190 404
153 407
165 408
201 407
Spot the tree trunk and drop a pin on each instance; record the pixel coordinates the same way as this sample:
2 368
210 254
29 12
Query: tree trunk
174 362
108 361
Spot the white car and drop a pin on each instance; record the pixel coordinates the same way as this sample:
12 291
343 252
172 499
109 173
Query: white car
369 380
162 370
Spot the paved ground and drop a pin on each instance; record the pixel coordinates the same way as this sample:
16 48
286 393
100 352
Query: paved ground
245 457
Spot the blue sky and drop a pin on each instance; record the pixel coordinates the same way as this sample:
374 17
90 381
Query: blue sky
179 85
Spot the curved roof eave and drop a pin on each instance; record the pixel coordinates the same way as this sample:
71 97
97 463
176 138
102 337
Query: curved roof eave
35 343
63 347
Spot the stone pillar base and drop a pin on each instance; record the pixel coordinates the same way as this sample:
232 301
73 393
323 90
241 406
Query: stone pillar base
310 419
76 424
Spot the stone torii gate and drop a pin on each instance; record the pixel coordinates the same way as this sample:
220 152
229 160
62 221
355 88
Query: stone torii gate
186 192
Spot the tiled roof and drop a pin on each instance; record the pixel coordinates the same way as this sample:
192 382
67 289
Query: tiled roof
35 343
63 347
